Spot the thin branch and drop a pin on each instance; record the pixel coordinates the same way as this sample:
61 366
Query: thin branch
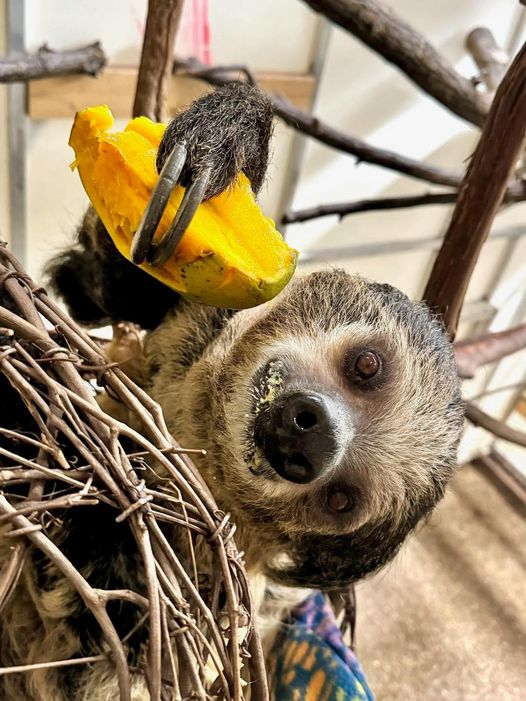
342 209
52 665
156 58
377 26
315 128
311 126
472 353
481 195
497 390
497 428
46 63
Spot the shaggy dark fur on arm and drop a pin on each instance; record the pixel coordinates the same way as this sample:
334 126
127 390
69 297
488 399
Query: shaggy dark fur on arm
229 129
100 286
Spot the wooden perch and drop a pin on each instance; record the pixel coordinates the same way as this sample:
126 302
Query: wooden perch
45 63
491 60
377 26
480 196
156 58
472 353
497 428
342 209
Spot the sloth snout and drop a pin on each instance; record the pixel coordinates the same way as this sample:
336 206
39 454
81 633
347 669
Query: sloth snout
299 435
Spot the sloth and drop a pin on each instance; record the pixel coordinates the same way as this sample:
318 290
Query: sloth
330 416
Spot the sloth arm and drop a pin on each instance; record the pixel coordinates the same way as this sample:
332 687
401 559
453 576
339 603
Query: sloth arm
228 129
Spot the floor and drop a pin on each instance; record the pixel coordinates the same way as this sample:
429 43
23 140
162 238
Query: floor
447 620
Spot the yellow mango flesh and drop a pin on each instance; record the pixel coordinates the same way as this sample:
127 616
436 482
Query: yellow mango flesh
231 255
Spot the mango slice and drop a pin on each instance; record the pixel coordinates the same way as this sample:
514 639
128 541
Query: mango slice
231 254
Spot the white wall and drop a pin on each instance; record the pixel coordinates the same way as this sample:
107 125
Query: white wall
250 32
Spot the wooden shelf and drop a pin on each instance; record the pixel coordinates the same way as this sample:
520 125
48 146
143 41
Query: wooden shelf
53 98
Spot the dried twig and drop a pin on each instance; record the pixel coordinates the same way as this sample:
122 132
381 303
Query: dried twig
89 60
480 196
156 58
342 209
383 31
472 353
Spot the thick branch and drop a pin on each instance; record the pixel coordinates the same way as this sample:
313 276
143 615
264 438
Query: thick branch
342 209
480 196
156 58
46 62
383 31
497 428
472 353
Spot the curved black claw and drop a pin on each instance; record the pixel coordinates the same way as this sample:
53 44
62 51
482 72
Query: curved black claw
204 148
160 251
168 179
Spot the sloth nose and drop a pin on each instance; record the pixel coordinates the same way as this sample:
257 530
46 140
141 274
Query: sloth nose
298 435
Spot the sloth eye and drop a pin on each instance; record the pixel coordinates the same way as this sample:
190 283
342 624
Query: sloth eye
364 368
367 364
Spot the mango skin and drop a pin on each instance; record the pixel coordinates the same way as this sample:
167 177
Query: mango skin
231 255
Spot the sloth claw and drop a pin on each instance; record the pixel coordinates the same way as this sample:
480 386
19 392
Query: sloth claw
143 247
160 252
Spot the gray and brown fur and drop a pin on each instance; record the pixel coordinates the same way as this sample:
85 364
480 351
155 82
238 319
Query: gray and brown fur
214 372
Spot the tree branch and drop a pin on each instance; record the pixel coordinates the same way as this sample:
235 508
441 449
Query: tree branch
497 428
342 209
472 353
481 195
156 58
320 131
315 128
377 26
46 62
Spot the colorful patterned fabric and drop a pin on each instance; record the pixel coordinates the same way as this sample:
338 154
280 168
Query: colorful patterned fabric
313 662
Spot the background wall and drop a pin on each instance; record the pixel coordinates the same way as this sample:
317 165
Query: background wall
4 174
357 93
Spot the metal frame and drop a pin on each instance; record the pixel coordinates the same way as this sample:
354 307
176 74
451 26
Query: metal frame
16 135
396 246
299 141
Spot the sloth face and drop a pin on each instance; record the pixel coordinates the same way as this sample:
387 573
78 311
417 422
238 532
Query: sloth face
337 422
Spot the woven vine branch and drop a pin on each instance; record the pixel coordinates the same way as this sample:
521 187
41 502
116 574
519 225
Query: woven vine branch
196 645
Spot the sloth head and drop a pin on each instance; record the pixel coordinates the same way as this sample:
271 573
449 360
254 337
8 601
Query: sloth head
332 417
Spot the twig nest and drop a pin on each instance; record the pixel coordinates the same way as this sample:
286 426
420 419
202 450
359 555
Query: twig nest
60 451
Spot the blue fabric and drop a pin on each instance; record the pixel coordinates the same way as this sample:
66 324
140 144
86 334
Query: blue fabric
313 663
